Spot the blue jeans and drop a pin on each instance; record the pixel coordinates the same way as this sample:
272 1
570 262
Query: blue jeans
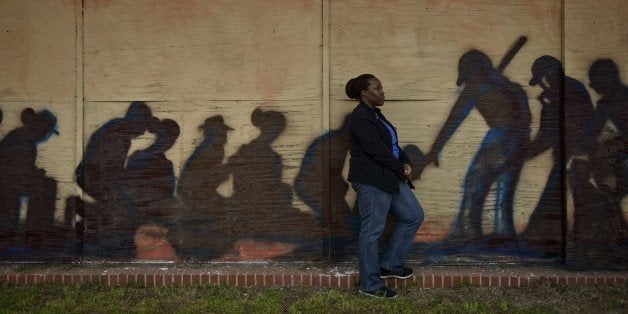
374 205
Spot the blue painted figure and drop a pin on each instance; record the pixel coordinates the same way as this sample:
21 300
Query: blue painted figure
504 107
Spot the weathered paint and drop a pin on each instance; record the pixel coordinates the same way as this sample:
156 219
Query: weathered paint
256 64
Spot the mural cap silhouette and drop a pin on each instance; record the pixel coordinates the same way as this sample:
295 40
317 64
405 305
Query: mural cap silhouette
43 119
542 67
215 122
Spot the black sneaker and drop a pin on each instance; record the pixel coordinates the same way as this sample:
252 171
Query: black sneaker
382 292
402 274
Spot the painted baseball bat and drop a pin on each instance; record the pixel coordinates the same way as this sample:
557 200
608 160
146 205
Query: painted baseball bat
514 49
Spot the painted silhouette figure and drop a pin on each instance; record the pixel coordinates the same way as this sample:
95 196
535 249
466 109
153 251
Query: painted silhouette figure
106 153
340 222
504 107
262 202
150 177
204 171
259 165
605 80
561 95
112 221
599 184
611 167
599 239
22 183
204 230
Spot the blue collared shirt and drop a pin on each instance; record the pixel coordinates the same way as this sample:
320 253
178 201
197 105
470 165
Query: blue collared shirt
393 137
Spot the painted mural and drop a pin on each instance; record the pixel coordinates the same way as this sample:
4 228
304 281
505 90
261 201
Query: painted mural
504 107
137 208
23 185
234 188
258 219
339 220
599 182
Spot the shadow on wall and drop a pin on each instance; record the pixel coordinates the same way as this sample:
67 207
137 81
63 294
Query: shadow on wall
595 165
571 127
204 213
111 221
258 220
150 189
262 203
599 183
499 159
136 212
25 186
340 222
566 108
140 210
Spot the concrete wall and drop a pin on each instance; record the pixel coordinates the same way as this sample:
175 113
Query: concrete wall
243 156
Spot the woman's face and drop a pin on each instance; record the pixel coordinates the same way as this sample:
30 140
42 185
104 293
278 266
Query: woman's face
374 94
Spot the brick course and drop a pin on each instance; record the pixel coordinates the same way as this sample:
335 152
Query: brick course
248 276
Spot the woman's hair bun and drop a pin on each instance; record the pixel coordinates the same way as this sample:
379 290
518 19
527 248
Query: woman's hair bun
356 85
349 89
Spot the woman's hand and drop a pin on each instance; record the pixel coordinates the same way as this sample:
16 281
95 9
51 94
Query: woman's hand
407 172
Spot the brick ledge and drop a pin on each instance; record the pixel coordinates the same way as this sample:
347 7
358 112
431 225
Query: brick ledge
246 275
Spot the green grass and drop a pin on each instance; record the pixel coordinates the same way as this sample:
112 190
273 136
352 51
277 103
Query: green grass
539 298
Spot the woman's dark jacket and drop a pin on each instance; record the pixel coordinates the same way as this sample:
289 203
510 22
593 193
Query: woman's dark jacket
372 161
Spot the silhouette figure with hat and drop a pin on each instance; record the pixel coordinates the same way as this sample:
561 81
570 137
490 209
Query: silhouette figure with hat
566 108
204 172
23 183
499 159
203 230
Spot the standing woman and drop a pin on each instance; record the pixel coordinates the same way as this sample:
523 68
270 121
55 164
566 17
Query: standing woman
379 172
